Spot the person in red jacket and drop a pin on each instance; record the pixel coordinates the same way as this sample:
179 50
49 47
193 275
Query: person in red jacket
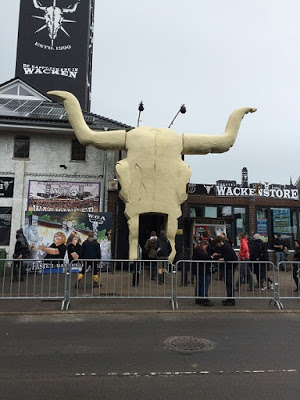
245 275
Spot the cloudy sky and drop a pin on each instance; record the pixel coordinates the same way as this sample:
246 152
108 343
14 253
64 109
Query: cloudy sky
213 56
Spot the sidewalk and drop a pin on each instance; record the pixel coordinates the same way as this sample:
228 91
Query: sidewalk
106 305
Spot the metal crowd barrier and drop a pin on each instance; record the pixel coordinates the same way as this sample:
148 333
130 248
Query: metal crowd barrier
288 275
139 279
121 279
206 280
33 279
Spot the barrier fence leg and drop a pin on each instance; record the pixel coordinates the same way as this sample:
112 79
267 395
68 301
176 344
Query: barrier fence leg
175 281
66 301
276 289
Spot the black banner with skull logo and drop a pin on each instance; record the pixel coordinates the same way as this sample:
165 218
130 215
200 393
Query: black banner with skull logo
55 45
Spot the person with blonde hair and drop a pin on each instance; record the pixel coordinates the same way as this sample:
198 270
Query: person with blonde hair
57 249
74 246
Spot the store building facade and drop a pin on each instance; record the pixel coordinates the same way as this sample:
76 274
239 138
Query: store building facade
267 209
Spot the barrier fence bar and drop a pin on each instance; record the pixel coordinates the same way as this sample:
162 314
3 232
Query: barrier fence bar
141 279
206 280
135 279
288 273
33 279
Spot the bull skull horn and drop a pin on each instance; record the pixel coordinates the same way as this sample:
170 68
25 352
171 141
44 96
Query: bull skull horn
204 144
38 5
71 10
100 139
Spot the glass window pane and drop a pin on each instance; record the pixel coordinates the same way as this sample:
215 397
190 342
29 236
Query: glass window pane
21 147
282 224
211 212
239 214
78 151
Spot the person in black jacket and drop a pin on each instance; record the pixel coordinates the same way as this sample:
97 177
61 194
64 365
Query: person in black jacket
226 253
296 267
21 252
202 271
164 249
90 251
259 252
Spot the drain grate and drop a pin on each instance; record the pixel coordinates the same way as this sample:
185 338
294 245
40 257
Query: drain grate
188 344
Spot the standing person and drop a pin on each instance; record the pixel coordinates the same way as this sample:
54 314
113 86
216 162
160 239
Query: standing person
278 247
90 251
164 249
21 252
202 272
296 266
57 249
74 246
259 252
245 275
211 245
227 254
152 253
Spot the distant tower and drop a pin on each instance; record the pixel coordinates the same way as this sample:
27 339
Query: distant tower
244 177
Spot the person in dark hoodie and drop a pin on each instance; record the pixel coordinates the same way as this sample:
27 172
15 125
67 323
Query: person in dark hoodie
296 267
259 252
227 254
202 271
21 252
164 249
90 251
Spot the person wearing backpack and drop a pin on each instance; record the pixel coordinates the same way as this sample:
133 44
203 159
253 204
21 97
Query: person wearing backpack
164 249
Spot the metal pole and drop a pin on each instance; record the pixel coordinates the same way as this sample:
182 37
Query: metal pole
104 181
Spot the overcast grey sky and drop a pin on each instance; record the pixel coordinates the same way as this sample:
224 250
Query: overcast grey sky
213 56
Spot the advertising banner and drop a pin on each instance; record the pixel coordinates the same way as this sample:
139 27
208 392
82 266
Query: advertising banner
63 196
41 227
215 228
55 46
6 186
5 224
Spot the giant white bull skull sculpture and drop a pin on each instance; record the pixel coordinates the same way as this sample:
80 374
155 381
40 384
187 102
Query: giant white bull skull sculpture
153 176
54 17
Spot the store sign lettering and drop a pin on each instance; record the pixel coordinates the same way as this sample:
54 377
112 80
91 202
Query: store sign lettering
277 193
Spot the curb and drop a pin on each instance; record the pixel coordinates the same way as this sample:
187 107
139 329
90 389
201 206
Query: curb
116 312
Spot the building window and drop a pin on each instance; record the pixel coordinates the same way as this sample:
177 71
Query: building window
218 218
78 151
21 147
271 222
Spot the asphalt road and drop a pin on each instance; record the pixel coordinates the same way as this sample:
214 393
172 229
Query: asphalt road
109 356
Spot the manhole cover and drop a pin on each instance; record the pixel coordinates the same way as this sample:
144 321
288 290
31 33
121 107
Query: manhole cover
188 344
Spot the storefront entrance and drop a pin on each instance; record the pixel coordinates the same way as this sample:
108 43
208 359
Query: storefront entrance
148 223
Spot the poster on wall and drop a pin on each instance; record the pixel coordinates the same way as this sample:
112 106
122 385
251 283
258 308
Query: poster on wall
281 220
63 196
214 228
6 186
41 228
5 225
262 229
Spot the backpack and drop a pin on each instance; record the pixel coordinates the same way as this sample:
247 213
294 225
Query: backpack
164 248
263 252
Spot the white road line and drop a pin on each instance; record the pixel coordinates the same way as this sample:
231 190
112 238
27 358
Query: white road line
183 373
